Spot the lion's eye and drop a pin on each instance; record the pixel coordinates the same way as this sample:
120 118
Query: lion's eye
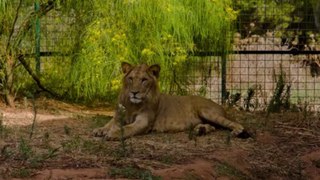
130 79
144 80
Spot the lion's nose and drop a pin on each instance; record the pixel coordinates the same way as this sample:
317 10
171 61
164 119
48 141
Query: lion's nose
134 93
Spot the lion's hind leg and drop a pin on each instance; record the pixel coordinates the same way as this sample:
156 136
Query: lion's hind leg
218 117
203 129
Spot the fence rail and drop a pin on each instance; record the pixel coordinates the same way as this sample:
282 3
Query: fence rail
259 57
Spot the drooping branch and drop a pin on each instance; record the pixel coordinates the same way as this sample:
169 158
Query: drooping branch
23 29
14 24
35 77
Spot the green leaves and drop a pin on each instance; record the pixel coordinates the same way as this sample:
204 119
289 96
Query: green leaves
100 34
144 31
3 4
271 14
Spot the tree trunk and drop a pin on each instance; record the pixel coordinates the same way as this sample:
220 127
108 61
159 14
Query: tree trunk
8 84
9 99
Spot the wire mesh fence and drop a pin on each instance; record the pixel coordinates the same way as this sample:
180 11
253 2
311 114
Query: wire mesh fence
275 48
266 53
50 38
267 58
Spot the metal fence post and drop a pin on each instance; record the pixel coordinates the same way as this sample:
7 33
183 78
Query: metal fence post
223 77
37 37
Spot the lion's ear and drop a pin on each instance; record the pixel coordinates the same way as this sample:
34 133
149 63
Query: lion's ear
126 67
155 70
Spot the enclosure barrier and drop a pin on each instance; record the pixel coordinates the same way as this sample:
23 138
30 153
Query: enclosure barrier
267 63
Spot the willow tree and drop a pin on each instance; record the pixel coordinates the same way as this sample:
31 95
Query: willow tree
17 34
104 33
15 23
166 32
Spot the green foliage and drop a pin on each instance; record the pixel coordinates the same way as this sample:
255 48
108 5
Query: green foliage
270 14
248 98
98 35
25 150
138 31
281 96
15 34
17 38
12 16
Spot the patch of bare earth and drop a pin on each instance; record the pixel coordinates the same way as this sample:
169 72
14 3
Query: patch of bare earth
60 146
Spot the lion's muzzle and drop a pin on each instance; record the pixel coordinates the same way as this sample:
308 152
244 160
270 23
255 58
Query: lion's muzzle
135 97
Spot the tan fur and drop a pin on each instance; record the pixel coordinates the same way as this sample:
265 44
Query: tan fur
146 109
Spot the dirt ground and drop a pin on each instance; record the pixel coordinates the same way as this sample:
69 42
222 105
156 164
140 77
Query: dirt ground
57 144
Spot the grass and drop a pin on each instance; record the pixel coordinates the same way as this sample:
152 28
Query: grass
4 131
132 173
123 151
75 143
281 95
27 156
21 173
167 159
299 92
99 121
225 169
24 149
67 129
192 176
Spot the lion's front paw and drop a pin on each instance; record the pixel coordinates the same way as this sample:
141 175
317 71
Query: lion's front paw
106 133
100 132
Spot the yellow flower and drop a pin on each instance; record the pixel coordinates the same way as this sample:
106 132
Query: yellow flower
232 13
147 52
179 59
115 84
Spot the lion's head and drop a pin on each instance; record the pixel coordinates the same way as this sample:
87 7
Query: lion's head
140 82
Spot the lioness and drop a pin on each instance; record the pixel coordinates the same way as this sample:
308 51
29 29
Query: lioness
146 109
